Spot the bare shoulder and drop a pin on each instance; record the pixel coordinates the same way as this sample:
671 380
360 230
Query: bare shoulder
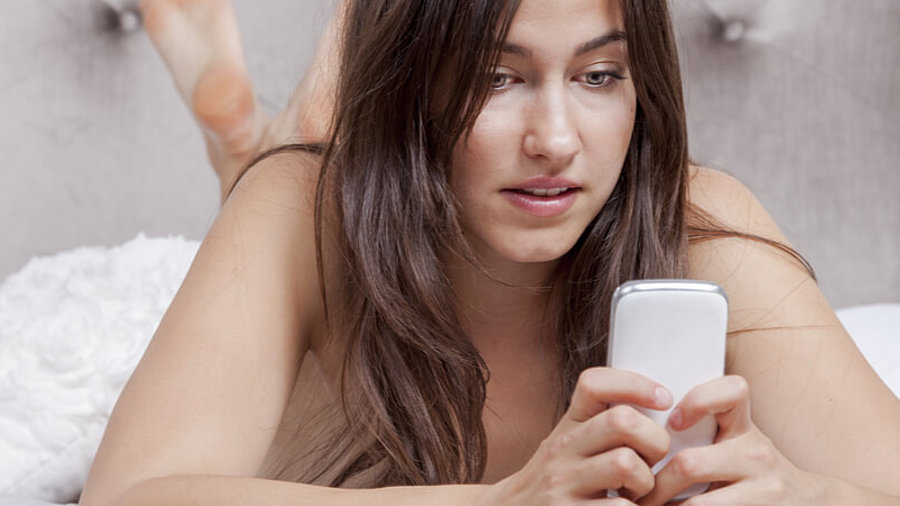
286 179
757 275
269 222
209 393
730 201
808 382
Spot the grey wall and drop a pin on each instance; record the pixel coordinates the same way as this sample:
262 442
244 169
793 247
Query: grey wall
96 144
803 105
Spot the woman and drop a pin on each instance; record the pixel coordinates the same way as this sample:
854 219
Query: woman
411 305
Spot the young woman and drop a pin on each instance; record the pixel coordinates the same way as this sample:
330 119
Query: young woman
409 304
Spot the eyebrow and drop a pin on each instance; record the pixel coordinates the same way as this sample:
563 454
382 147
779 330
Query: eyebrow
595 43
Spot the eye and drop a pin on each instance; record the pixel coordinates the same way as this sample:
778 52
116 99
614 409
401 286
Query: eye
596 78
499 81
600 78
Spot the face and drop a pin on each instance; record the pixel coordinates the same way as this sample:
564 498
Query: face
547 149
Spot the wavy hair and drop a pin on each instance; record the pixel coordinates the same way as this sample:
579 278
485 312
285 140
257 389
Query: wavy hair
414 76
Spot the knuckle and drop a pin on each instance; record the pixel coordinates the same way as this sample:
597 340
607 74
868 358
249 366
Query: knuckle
623 419
697 500
686 463
555 479
763 455
741 387
774 488
625 462
558 446
586 380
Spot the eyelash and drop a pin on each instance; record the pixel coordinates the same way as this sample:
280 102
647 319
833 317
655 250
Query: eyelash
494 77
608 77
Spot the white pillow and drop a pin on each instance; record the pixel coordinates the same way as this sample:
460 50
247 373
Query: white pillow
72 328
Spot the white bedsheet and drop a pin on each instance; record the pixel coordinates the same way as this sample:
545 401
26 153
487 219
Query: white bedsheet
876 330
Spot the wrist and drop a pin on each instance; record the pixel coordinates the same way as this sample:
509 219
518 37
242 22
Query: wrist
484 495
436 495
501 493
838 492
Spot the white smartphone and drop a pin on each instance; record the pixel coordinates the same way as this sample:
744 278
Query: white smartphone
672 331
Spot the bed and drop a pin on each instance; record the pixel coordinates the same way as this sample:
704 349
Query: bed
74 325
113 219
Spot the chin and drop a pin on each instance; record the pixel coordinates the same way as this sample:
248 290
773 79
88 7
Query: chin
524 246
536 257
535 251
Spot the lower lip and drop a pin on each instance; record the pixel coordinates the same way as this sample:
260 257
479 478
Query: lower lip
543 207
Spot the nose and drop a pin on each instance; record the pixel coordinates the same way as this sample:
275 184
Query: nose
551 134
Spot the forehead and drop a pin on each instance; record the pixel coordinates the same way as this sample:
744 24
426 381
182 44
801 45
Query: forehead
540 23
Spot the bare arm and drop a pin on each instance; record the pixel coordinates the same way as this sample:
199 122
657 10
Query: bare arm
201 410
812 391
202 490
209 392
196 419
588 452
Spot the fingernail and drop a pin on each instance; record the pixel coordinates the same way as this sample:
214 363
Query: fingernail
676 418
662 397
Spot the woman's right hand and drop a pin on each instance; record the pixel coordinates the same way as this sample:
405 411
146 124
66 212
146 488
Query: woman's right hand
595 447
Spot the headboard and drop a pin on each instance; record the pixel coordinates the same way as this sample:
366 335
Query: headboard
800 99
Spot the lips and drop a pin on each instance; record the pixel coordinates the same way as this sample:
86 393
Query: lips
542 196
544 192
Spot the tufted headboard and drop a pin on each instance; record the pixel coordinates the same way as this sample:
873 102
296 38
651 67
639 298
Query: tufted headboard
800 99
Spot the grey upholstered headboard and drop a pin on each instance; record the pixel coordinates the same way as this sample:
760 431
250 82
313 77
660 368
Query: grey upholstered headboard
798 98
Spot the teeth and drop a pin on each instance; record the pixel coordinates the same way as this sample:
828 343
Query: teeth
543 192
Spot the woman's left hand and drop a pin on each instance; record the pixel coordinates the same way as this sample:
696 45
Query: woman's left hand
743 465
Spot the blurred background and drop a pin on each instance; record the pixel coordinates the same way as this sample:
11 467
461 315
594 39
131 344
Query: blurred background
800 99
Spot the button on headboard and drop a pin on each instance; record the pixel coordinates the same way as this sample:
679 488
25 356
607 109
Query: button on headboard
800 99
96 144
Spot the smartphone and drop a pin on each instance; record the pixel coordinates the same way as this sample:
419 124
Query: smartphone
673 332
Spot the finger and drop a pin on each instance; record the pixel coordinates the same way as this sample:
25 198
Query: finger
621 425
617 469
611 501
728 461
736 493
726 398
597 387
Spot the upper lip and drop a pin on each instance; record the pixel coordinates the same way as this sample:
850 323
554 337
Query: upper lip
544 183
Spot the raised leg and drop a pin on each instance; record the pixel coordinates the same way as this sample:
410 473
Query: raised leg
201 46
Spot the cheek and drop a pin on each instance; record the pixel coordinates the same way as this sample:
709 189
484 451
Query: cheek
619 119
608 135
480 157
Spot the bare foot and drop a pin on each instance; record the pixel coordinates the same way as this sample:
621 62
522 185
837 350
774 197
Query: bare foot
201 46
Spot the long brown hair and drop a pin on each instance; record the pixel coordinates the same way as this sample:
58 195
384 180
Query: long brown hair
418 383
414 76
